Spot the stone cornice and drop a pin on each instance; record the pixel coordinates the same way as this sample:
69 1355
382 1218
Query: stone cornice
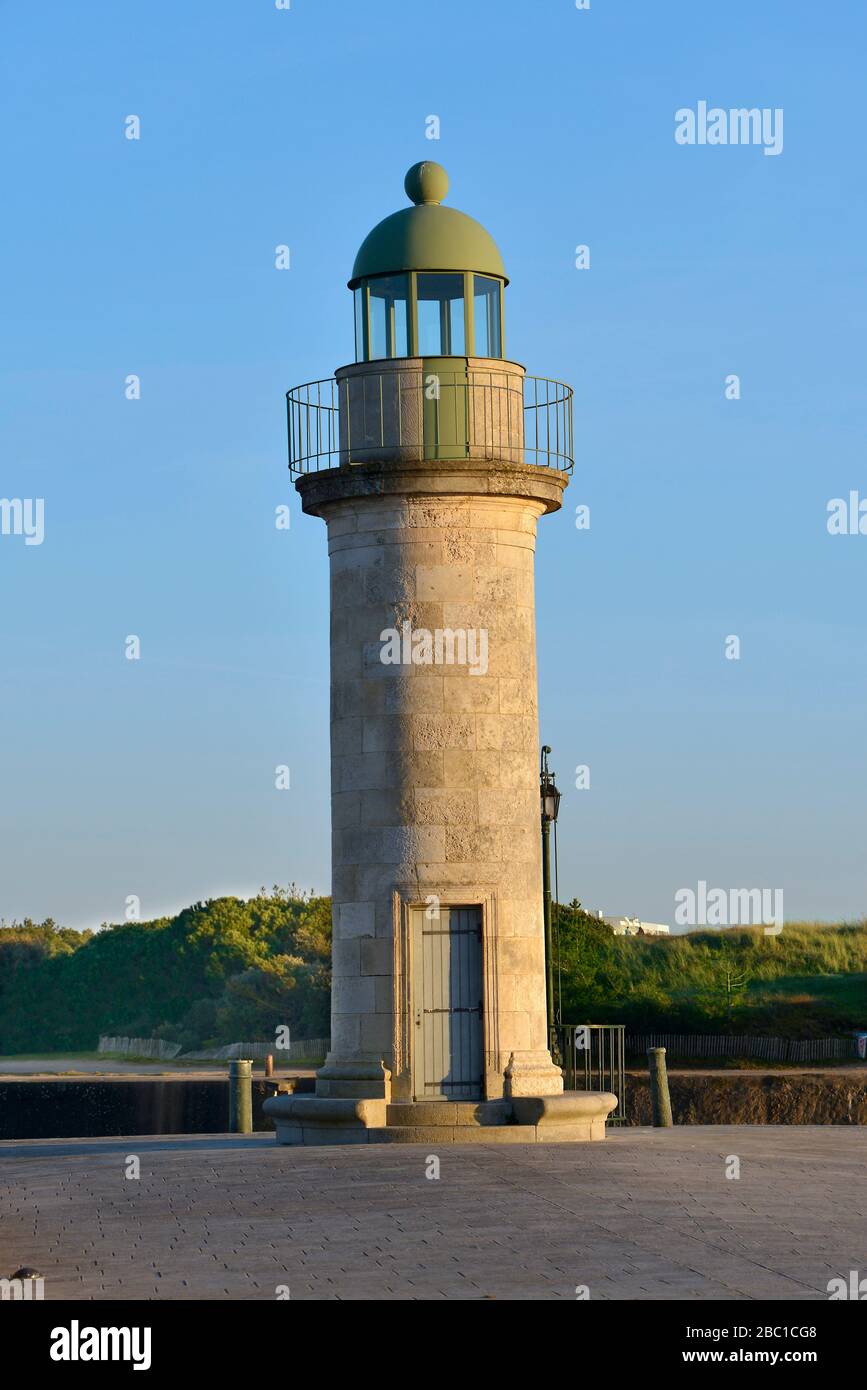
461 477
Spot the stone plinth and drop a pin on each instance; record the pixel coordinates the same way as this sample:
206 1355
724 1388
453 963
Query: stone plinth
569 1118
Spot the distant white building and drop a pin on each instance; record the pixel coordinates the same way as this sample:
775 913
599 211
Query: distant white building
633 926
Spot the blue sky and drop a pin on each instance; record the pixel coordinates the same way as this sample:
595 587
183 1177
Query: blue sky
708 516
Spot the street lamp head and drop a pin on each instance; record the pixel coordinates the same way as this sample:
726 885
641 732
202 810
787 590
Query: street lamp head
550 796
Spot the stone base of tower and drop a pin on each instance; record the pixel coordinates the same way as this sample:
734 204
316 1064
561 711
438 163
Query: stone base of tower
356 1077
366 1077
532 1074
568 1118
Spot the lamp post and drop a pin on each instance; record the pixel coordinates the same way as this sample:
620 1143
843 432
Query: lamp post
550 805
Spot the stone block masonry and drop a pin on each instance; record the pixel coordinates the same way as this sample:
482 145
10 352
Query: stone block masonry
435 795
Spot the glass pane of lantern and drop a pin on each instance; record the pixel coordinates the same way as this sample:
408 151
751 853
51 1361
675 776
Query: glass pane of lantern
358 296
389 316
486 313
441 315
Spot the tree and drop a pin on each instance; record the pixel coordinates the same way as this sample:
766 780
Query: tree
216 964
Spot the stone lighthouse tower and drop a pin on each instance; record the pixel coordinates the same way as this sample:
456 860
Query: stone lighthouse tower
431 459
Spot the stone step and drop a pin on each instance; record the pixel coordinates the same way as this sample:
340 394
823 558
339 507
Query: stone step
448 1114
454 1134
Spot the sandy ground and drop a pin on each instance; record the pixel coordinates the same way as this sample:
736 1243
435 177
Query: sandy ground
72 1067
819 1069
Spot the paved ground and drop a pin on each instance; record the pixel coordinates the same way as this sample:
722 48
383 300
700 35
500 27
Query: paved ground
649 1214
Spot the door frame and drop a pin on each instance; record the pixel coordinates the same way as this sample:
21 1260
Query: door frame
403 1020
422 993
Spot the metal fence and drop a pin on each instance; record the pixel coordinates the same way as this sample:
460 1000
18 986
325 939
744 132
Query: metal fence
303 1049
592 1056
391 415
548 435
140 1047
313 422
717 1045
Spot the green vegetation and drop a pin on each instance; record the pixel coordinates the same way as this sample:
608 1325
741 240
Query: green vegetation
221 971
808 982
228 970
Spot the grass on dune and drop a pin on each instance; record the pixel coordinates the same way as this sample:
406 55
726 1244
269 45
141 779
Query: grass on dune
808 981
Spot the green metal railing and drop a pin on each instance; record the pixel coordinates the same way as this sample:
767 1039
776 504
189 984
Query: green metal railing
390 414
592 1056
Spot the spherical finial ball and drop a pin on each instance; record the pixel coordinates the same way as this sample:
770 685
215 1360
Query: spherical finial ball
426 182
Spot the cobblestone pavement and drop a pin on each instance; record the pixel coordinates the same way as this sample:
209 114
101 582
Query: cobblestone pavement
649 1214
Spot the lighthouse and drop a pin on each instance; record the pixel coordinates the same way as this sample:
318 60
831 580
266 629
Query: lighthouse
431 458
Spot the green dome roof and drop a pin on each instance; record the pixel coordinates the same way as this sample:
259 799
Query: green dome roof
427 236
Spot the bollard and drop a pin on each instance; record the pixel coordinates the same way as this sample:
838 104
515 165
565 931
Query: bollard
269 1065
240 1097
660 1100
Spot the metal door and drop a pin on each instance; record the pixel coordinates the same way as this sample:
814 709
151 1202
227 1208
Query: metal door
447 1051
445 409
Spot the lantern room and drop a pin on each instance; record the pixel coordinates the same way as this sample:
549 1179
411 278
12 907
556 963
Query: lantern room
428 281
